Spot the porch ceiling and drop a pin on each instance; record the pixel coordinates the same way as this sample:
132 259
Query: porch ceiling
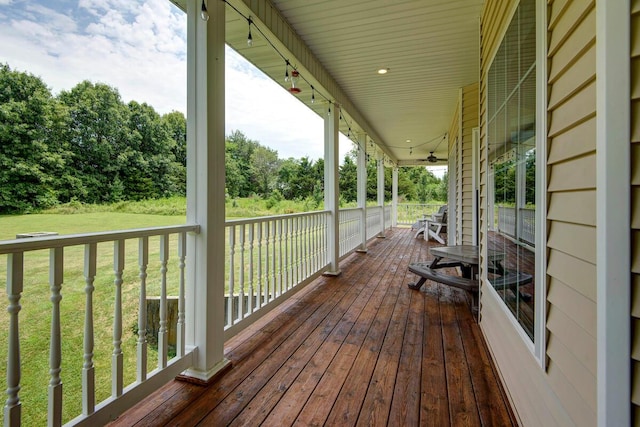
431 48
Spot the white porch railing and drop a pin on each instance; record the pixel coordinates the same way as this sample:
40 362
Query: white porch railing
387 216
83 282
374 220
521 226
269 257
350 237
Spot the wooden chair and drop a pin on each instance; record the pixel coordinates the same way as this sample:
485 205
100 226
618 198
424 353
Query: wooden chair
421 224
435 226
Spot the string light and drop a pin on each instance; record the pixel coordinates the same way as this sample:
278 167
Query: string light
249 37
204 14
295 87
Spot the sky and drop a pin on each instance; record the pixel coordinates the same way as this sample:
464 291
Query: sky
139 48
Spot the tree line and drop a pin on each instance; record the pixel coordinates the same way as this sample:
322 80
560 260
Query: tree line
87 145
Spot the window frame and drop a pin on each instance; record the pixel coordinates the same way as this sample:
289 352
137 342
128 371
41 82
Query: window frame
538 345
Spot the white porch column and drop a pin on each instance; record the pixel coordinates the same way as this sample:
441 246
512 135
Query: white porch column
205 188
362 189
331 187
380 171
613 211
394 197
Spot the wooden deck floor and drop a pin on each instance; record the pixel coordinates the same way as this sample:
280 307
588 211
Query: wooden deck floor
358 349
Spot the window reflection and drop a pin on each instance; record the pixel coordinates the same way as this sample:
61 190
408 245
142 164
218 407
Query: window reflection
511 108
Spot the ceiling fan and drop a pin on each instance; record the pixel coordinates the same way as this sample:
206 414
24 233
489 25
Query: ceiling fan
434 159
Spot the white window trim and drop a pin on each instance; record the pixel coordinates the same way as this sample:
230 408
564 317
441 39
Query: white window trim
613 275
540 320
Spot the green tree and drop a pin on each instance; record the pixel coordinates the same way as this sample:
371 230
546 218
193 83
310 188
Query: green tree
240 150
151 137
286 175
97 135
264 167
348 180
29 119
176 124
443 188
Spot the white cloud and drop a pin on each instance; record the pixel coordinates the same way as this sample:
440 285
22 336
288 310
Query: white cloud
139 47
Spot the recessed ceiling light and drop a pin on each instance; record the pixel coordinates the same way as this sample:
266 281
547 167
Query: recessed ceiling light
408 140
383 71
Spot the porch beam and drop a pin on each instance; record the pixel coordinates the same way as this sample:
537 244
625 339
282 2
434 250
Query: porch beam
613 207
362 189
331 190
206 188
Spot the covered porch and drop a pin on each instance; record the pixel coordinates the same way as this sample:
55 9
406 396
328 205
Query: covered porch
307 317
360 348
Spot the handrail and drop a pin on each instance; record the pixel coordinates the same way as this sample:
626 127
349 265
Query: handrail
246 221
50 242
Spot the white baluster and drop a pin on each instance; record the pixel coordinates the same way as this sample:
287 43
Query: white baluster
251 283
287 258
232 250
318 238
182 253
294 252
280 273
116 357
143 261
12 407
274 250
56 270
88 374
267 263
162 331
301 249
298 254
259 294
242 263
305 240
312 243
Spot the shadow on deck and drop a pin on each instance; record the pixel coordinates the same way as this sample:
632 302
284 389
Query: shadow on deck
361 348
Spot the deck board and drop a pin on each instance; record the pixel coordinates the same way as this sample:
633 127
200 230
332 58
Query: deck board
357 349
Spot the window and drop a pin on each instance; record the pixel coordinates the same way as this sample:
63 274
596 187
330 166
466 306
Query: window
511 107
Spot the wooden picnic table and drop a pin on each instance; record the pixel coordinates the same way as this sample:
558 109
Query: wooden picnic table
467 257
